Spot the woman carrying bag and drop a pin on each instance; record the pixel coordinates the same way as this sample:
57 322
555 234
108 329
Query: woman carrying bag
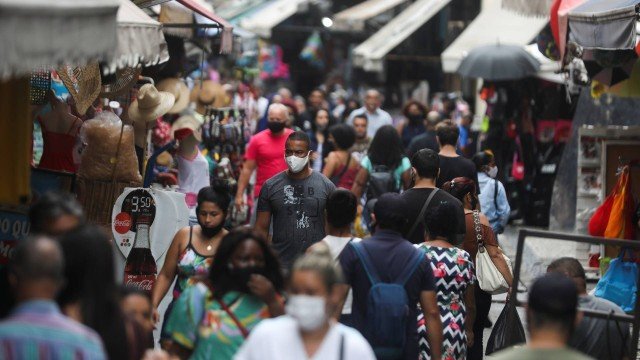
479 234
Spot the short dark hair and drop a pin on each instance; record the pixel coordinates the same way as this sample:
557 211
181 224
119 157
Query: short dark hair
448 133
299 136
51 206
410 103
553 301
219 274
442 221
322 92
218 193
361 116
427 163
482 159
344 136
31 262
568 266
341 208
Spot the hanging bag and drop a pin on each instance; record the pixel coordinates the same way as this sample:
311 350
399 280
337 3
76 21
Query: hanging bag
619 283
507 331
489 277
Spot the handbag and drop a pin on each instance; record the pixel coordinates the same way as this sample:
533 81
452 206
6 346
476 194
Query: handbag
507 331
489 277
618 284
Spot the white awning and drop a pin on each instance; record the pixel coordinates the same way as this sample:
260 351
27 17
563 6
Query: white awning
35 33
353 18
263 21
493 25
370 54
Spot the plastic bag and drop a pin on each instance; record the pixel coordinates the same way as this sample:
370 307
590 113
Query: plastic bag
618 284
507 331
620 224
101 136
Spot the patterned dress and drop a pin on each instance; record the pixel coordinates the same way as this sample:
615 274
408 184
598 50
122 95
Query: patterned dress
453 272
199 323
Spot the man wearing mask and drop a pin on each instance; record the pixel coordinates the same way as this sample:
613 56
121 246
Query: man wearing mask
427 140
363 141
294 200
493 197
264 154
376 116
317 100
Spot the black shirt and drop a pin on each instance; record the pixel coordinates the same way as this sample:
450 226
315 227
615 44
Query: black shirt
453 167
426 140
415 199
390 254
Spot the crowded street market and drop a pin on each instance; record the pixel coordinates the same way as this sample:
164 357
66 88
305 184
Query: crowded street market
319 179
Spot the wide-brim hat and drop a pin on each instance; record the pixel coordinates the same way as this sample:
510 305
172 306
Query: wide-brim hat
180 91
150 104
208 94
187 122
83 83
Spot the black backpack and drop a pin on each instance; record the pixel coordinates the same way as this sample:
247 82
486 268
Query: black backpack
381 181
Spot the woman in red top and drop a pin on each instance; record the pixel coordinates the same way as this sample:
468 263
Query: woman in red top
340 165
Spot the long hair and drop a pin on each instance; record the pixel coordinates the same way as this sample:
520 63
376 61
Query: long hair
386 148
219 274
460 187
89 272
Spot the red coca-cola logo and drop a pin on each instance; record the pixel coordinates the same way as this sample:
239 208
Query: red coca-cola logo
122 223
142 282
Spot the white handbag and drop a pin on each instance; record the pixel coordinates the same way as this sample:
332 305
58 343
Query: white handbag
489 277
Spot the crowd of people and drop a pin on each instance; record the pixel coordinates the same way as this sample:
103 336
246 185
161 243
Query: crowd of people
301 281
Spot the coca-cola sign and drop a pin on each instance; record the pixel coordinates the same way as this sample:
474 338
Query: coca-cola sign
142 282
122 223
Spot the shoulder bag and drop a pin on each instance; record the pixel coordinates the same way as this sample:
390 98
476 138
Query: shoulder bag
489 277
420 217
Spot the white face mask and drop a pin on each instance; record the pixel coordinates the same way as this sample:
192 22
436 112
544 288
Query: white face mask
296 164
309 311
493 172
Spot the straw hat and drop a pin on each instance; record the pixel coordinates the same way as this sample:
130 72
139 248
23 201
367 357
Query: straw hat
187 122
84 84
150 104
208 94
180 91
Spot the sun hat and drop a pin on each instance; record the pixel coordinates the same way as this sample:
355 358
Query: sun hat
208 94
180 91
83 83
187 122
150 104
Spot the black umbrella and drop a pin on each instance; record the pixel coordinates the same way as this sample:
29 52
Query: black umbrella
499 62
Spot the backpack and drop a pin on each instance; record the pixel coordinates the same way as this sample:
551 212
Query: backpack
381 181
388 308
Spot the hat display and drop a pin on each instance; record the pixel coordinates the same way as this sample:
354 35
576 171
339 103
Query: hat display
187 122
180 91
208 93
83 83
122 82
150 104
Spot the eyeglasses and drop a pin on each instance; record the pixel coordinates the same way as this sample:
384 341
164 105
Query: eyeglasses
298 153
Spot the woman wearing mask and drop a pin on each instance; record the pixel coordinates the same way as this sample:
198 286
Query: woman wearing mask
340 165
493 197
212 320
413 125
191 252
308 331
319 136
453 272
463 189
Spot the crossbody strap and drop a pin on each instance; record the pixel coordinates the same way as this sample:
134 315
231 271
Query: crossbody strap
342 346
420 217
495 193
243 330
336 179
366 262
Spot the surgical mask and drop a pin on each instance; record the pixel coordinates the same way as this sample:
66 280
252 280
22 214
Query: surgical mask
309 311
493 172
275 126
296 164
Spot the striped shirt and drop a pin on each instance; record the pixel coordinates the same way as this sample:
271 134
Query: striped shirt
37 330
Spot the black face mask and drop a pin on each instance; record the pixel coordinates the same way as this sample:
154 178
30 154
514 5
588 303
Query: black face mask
210 232
415 119
241 276
275 126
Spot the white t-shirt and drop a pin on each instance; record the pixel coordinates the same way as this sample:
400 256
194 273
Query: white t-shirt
336 245
279 339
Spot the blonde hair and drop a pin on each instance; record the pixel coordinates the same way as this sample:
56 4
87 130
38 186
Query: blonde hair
320 261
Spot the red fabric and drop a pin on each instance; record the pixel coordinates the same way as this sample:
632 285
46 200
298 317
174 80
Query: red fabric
348 178
553 20
268 152
57 154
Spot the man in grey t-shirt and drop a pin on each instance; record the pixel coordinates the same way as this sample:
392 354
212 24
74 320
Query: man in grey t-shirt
598 338
295 201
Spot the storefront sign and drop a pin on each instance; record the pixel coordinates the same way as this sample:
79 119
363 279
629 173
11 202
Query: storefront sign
14 226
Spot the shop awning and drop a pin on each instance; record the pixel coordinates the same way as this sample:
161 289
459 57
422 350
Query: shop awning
370 54
493 25
263 21
35 33
604 24
140 39
353 18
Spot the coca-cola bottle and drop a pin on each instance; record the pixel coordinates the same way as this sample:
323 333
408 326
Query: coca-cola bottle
140 269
